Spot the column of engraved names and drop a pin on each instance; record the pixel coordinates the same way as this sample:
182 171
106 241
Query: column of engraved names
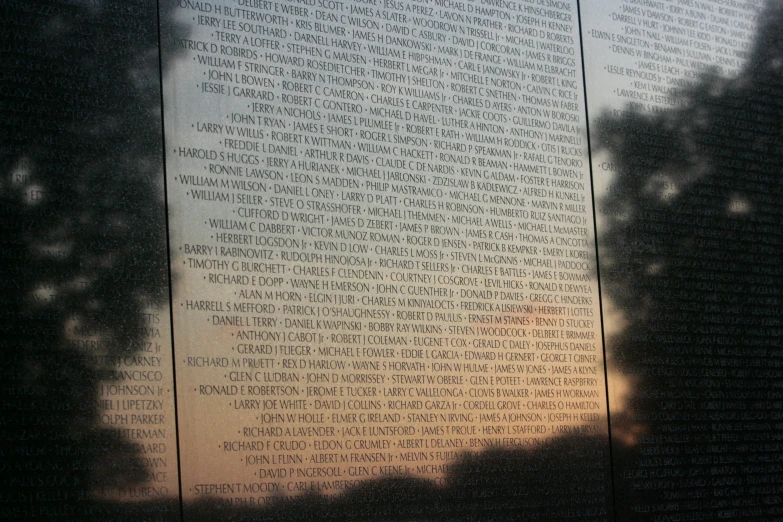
484 201
561 289
315 259
469 96
239 58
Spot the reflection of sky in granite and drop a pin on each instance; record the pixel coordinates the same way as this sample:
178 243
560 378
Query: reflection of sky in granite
205 418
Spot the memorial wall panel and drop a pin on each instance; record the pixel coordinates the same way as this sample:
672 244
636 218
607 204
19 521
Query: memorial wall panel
386 301
685 130
88 427
381 229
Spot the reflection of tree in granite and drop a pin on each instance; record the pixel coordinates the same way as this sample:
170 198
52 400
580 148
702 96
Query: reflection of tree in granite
691 253
83 242
567 479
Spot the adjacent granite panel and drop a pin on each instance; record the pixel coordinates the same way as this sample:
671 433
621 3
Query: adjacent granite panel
685 122
88 429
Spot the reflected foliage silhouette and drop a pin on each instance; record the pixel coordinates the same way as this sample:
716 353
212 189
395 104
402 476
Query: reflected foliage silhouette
690 253
565 479
83 243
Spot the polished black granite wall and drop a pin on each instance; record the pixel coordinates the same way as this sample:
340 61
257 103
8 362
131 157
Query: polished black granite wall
697 275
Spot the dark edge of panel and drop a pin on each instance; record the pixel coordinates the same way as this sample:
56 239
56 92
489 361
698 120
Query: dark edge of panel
168 257
597 263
